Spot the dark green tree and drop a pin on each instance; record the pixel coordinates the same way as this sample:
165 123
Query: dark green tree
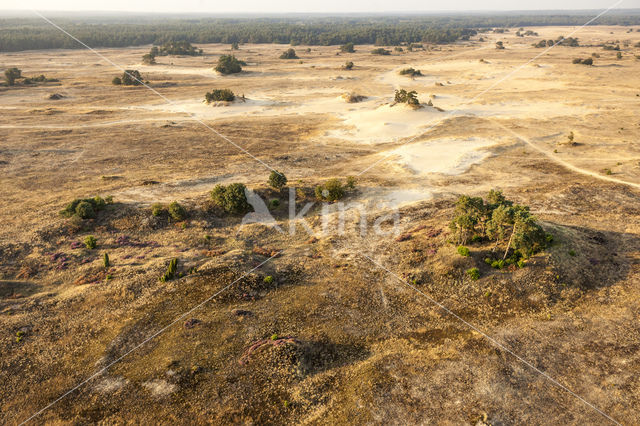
228 64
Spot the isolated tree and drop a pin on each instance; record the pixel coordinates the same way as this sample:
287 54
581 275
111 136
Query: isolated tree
220 95
148 59
277 179
228 64
11 75
129 78
289 54
331 190
231 198
347 48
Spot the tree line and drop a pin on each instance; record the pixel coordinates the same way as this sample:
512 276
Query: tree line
29 33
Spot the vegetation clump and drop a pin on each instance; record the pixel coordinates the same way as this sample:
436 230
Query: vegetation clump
353 97
587 61
171 271
410 98
464 251
148 59
380 51
499 45
348 66
473 273
85 208
128 78
228 64
176 48
231 198
347 48
11 75
90 242
289 54
105 260
499 220
411 72
219 95
331 190
277 179
176 211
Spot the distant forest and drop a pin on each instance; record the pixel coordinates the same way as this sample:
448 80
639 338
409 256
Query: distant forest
26 33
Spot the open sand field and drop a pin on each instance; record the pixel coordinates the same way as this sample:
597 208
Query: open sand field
351 328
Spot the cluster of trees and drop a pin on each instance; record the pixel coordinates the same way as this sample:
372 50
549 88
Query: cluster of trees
404 97
347 48
333 189
11 75
86 208
229 64
289 54
171 48
496 219
569 41
107 31
219 95
527 33
128 78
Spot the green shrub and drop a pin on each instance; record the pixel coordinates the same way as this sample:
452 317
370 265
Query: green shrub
348 65
331 190
176 211
380 51
274 204
473 273
148 59
129 78
11 75
347 48
85 210
231 198
218 95
351 182
105 260
90 242
228 64
410 72
520 263
180 47
464 251
171 271
572 253
588 61
289 54
402 96
277 179
158 209
498 264
268 279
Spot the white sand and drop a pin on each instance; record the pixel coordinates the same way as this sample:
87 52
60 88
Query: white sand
445 156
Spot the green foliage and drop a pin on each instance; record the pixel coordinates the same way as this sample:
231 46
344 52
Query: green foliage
464 251
176 211
90 242
268 279
347 48
410 98
231 198
171 271
277 179
289 54
351 182
105 260
380 51
331 190
176 48
84 208
473 273
411 72
498 220
235 46
128 78
498 264
228 64
219 95
274 204
148 59
158 209
11 75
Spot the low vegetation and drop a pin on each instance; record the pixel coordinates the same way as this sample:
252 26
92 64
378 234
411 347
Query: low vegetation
172 269
404 97
411 72
175 48
380 51
86 208
12 75
347 48
219 95
334 190
176 211
90 242
277 179
587 61
348 66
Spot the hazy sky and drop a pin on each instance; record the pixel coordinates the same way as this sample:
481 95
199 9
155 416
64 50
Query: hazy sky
325 6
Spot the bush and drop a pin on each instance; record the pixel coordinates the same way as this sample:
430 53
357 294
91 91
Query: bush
85 208
158 209
473 273
411 72
219 95
331 190
577 61
117 81
105 260
588 61
231 198
499 45
131 78
11 75
464 251
268 279
410 98
351 182
348 65
228 64
176 48
171 271
347 48
380 51
277 179
176 211
90 242
148 59
289 54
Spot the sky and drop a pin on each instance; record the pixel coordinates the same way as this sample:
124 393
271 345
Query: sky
302 6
